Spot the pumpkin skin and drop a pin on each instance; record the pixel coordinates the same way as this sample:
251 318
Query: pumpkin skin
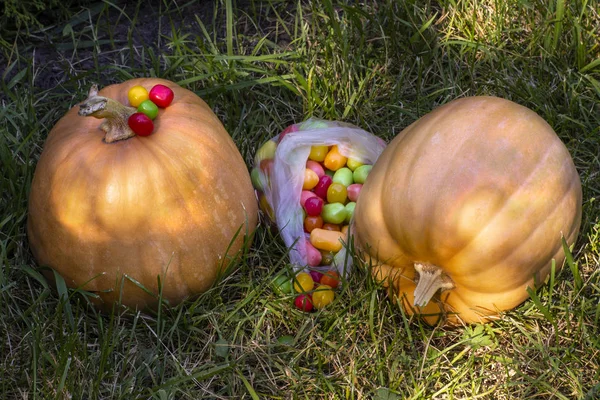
482 189
167 205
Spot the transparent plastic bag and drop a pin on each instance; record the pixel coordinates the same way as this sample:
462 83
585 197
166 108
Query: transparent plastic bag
278 177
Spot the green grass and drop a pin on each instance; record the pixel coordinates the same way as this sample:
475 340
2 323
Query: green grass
262 65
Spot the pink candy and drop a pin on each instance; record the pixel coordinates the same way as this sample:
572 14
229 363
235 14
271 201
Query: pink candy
313 256
305 195
316 167
353 191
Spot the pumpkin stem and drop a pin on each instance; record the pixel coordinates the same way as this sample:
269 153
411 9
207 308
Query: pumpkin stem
431 278
115 115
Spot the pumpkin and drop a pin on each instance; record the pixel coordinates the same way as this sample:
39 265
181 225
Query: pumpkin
466 208
115 214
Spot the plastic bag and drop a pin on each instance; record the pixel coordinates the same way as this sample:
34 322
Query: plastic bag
278 177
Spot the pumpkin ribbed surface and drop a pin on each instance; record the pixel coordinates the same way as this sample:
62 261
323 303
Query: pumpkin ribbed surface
165 205
481 189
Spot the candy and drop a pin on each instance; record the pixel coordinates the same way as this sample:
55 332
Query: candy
266 151
334 213
136 95
286 131
283 284
344 176
361 173
305 195
330 278
334 160
322 296
331 227
318 153
310 179
303 302
149 108
326 240
311 223
313 124
353 191
321 188
315 166
257 178
337 193
350 209
326 257
316 275
313 256
353 164
303 282
140 124
313 206
161 95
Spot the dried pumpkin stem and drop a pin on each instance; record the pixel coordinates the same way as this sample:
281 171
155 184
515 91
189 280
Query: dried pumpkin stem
115 115
431 279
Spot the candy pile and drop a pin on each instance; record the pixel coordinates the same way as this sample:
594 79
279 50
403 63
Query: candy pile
331 185
147 104
308 185
314 289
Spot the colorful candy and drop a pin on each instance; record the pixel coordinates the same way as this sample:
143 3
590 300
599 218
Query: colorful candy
161 95
136 95
327 240
140 124
334 213
334 160
331 185
149 108
322 296
303 283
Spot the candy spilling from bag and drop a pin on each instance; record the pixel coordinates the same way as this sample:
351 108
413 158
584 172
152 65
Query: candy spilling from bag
307 180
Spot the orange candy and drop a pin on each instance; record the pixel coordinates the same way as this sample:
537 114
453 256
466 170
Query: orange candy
310 179
334 160
311 223
326 240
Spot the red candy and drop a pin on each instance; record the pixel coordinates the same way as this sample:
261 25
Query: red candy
305 195
304 302
313 206
161 95
140 124
322 186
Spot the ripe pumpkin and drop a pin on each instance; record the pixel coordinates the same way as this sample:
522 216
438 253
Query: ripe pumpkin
108 208
466 208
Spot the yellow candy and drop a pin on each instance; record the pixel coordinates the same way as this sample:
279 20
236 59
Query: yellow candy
326 240
303 282
353 164
322 296
137 95
334 160
318 153
310 179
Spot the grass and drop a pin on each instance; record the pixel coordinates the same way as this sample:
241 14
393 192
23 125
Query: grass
262 65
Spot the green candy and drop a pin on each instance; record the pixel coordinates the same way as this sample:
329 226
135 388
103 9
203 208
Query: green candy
334 213
361 173
256 176
283 284
343 176
350 210
149 108
266 151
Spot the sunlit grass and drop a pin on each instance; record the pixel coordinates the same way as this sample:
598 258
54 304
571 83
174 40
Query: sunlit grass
262 66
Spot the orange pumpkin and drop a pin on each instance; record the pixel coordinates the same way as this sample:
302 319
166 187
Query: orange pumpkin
113 212
466 208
